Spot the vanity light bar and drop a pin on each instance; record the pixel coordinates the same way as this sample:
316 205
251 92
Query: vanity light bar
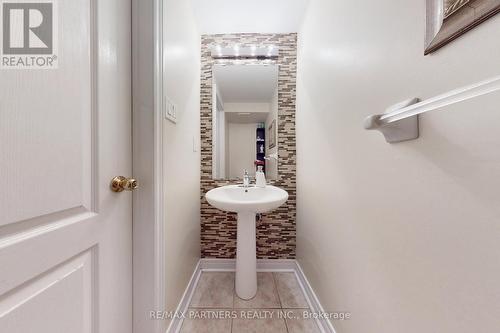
244 52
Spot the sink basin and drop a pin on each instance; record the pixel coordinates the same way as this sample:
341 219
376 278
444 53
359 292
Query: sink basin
247 202
235 198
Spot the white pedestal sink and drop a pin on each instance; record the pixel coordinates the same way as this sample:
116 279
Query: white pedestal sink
247 202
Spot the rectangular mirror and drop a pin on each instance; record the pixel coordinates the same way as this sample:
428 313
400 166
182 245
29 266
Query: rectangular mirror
245 120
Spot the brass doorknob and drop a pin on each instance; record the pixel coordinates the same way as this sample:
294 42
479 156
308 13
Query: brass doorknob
120 183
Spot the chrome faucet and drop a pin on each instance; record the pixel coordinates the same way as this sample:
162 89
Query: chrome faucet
246 179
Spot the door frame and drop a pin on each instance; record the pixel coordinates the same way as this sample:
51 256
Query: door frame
148 215
159 237
159 263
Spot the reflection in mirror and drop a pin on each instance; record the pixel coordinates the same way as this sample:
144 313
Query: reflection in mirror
245 120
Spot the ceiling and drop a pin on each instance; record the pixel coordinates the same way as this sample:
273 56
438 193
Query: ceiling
252 118
246 83
259 16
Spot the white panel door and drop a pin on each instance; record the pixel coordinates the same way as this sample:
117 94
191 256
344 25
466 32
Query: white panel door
65 237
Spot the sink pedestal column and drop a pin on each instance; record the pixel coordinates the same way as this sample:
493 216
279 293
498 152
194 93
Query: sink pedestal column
246 256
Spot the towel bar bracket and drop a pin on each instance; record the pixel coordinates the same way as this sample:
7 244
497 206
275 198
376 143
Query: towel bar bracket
396 131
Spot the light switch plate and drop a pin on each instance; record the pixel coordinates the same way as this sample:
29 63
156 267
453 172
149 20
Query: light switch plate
170 110
195 144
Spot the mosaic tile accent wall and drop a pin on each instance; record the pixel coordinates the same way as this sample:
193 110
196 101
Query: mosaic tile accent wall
275 231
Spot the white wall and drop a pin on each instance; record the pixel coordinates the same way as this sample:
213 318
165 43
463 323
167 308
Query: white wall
261 16
246 107
404 236
182 164
272 164
242 149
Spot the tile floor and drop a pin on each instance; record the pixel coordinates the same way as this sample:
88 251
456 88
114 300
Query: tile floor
277 307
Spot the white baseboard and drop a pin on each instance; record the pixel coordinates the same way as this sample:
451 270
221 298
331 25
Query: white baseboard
176 323
263 265
325 325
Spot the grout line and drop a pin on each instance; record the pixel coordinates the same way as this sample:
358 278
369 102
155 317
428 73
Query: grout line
210 307
234 290
234 295
286 326
279 299
277 292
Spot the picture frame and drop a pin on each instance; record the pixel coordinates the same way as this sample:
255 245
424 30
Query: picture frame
272 134
446 20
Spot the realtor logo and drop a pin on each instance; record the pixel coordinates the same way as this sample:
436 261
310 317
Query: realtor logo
29 34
